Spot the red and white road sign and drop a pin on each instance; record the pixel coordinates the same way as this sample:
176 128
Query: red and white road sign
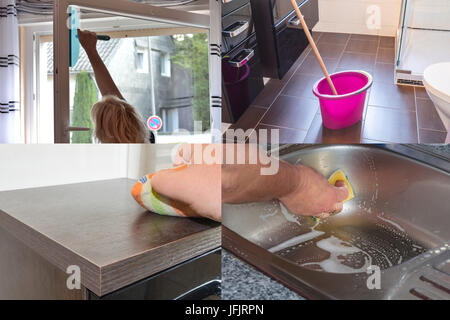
154 123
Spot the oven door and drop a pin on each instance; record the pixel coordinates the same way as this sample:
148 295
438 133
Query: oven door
242 76
282 11
290 41
290 38
231 5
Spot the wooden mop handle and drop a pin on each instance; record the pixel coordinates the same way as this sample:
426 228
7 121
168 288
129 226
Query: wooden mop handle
313 45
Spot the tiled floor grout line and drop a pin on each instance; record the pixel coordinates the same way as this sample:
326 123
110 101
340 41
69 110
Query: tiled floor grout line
385 62
417 116
290 96
384 107
256 106
363 127
361 53
345 47
434 130
390 108
282 127
370 93
383 141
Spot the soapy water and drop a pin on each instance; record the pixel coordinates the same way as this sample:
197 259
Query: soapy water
296 240
396 225
348 249
288 216
340 253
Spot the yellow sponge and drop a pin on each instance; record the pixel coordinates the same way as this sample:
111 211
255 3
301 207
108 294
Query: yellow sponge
340 175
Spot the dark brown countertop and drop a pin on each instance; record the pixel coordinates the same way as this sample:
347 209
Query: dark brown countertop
99 227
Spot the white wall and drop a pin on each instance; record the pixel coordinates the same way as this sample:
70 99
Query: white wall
428 14
145 159
27 166
378 17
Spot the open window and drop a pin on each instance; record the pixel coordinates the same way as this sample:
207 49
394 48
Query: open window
150 57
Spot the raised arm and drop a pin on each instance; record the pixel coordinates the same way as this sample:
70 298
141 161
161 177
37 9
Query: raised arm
102 76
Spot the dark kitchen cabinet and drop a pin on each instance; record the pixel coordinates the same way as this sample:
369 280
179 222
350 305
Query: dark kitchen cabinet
229 6
242 76
236 27
197 279
279 33
241 63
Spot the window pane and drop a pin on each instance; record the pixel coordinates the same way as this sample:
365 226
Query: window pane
158 69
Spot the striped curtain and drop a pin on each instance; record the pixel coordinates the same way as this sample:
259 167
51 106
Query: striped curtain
9 73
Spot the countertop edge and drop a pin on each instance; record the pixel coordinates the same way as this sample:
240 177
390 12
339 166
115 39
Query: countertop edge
51 250
118 275
102 280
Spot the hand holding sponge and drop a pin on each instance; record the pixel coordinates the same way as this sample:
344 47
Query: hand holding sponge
149 199
339 175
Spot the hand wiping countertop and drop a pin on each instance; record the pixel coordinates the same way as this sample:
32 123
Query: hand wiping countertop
100 228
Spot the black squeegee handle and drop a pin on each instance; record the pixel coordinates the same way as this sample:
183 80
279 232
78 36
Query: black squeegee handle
103 38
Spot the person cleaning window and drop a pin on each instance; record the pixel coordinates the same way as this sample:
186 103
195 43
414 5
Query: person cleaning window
115 120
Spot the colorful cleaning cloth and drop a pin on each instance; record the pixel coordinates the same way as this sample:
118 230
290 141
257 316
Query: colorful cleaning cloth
144 194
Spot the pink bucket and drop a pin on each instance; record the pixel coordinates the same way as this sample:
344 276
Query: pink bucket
345 109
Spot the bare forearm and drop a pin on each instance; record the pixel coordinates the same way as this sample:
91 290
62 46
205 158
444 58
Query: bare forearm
302 190
102 76
244 183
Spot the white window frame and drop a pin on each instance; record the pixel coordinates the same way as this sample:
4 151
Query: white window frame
132 10
144 68
30 40
166 65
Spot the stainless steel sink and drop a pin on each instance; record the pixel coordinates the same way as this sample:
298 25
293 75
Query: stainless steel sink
398 221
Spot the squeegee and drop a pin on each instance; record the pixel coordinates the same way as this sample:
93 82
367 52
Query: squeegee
74 43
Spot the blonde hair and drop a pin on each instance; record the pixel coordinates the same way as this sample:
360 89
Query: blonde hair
116 121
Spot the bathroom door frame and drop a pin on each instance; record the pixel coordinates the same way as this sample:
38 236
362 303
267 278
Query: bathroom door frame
62 126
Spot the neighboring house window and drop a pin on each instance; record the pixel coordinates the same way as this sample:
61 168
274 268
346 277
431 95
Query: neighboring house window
170 119
141 61
165 65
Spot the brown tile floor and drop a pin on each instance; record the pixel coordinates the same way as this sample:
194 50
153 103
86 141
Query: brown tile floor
396 114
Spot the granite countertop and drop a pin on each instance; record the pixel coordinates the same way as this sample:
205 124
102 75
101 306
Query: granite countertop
442 150
240 281
100 228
